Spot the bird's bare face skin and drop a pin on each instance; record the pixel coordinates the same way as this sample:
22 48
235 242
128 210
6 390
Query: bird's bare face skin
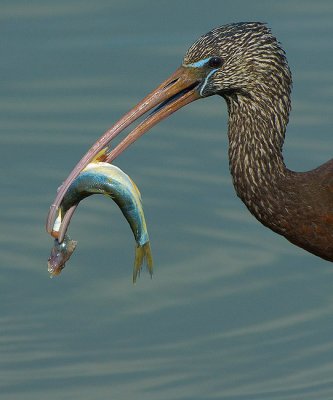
209 66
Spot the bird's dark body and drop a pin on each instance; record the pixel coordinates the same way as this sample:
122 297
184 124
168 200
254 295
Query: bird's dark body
297 206
255 81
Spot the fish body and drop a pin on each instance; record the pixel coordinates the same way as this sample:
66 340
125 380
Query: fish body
111 181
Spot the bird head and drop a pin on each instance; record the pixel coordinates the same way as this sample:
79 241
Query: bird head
239 59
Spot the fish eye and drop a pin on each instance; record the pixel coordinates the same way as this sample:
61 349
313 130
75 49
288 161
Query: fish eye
215 62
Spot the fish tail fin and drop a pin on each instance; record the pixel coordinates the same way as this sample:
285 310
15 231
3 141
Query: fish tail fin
142 255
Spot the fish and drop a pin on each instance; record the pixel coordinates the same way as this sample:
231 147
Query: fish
111 181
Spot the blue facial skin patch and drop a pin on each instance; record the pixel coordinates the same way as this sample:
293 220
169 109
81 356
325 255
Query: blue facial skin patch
206 80
200 64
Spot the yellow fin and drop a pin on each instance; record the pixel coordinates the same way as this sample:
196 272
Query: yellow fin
142 255
100 156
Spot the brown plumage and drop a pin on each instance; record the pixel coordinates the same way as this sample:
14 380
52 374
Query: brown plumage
246 65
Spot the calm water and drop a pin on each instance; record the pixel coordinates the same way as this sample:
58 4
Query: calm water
233 311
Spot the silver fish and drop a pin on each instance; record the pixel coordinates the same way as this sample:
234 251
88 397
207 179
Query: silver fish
107 179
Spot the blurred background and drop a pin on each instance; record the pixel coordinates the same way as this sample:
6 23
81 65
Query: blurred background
233 311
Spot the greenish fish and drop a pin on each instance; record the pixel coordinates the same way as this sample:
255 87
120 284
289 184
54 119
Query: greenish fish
109 180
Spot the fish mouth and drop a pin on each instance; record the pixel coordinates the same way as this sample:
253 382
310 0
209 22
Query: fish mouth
180 89
60 254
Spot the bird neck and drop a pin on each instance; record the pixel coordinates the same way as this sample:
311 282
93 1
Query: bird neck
256 133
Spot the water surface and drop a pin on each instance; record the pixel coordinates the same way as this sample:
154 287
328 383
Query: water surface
233 311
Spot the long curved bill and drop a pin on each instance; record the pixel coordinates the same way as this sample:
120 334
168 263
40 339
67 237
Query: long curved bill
171 95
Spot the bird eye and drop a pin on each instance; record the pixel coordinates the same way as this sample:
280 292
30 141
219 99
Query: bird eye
215 62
